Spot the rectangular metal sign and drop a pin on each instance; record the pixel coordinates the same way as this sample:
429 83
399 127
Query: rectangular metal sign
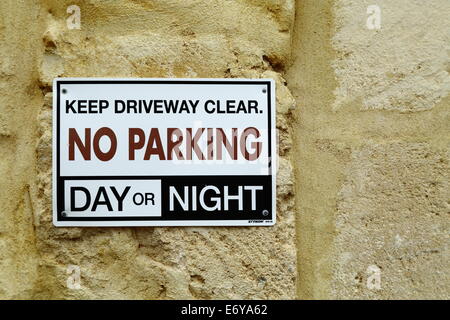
160 152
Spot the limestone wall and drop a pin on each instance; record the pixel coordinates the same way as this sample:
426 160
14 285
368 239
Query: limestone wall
372 149
363 126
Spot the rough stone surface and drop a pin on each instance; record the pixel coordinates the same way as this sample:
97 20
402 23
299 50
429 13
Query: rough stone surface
146 39
402 66
394 214
19 102
371 170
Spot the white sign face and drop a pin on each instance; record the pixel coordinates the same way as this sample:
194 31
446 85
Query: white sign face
159 152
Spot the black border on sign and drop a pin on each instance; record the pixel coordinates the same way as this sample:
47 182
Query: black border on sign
60 180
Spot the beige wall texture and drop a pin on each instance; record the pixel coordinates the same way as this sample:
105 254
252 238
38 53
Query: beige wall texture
363 122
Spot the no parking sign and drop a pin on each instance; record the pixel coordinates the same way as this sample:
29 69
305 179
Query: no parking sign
159 152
